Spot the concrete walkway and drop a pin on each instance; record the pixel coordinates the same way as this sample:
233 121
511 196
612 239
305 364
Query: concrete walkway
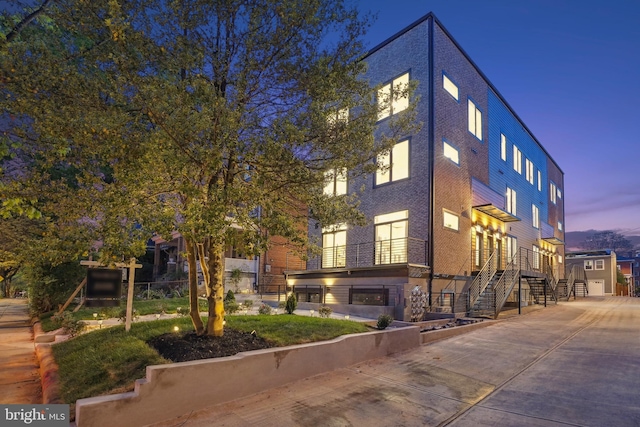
19 376
576 363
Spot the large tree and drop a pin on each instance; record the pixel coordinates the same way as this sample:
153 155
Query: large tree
607 239
218 116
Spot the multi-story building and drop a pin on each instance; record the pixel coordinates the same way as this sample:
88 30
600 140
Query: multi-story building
472 191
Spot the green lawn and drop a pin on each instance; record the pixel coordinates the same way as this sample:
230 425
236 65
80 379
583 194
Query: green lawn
110 360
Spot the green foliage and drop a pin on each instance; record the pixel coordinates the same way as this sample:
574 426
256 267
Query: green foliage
620 277
264 309
230 296
384 320
325 311
231 307
50 286
122 314
68 323
291 304
247 304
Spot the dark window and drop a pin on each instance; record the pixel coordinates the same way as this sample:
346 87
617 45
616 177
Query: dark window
369 296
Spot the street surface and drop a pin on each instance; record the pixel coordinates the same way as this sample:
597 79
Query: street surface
572 364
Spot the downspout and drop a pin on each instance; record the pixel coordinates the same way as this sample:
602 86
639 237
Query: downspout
431 143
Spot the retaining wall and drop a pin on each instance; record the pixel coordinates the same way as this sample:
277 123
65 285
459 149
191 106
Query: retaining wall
175 389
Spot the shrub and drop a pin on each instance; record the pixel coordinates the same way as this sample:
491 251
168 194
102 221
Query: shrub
50 286
325 311
281 305
230 296
247 304
384 320
68 324
231 307
264 309
122 315
291 304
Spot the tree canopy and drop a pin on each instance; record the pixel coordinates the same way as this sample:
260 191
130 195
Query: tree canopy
139 117
607 239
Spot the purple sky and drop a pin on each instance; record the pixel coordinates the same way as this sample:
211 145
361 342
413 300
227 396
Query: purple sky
571 70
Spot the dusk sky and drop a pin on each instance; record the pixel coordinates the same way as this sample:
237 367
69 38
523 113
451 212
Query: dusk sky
571 70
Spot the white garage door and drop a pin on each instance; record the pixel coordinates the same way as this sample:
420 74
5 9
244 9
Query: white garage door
596 287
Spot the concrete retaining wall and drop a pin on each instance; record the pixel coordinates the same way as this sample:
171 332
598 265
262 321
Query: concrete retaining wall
175 389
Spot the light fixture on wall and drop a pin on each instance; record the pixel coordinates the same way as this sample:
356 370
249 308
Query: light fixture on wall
479 228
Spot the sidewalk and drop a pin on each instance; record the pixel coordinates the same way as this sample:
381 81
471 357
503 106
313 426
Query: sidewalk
19 376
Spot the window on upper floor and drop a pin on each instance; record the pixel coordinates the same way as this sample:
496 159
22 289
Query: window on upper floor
559 226
559 193
599 264
451 220
334 246
393 97
449 86
475 119
335 182
391 231
539 181
512 247
450 152
536 257
529 170
560 259
503 147
517 160
535 214
395 164
511 201
553 192
588 265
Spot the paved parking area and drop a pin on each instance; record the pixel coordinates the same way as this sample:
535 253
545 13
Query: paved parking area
576 363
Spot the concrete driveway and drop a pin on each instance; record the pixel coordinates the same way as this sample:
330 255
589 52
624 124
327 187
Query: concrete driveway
576 363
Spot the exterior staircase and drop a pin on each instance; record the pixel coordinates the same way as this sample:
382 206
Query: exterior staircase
542 290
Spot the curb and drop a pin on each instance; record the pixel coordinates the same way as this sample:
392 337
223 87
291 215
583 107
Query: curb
48 367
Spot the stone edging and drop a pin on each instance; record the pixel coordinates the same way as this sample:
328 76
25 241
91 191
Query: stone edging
48 365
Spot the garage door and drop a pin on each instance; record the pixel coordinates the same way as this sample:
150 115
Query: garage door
596 287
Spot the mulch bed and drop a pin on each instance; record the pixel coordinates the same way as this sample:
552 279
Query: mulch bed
189 346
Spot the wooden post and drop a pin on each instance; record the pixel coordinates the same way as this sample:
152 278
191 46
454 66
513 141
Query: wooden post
73 295
132 272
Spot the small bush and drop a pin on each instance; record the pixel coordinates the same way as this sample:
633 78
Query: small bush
230 296
231 307
281 305
68 324
291 304
264 309
325 311
384 320
247 304
122 315
182 311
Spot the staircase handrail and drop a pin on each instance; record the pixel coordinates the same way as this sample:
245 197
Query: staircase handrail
483 278
506 282
571 283
551 279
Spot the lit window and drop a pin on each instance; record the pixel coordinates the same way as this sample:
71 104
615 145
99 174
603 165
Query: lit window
552 192
529 170
391 237
395 164
559 194
512 247
475 120
334 246
559 226
451 153
335 182
535 213
451 220
449 86
588 265
503 147
599 264
511 201
536 257
393 97
517 160
559 259
539 181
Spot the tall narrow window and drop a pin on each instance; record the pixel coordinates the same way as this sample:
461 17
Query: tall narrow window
475 119
393 97
529 170
334 246
450 86
517 160
395 164
536 257
539 181
512 247
535 214
503 147
391 237
559 226
511 201
553 192
450 152
335 182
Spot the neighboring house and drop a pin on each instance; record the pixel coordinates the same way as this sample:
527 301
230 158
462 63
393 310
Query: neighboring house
625 266
636 274
473 190
600 268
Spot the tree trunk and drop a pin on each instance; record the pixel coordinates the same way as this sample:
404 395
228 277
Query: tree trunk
194 311
215 289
